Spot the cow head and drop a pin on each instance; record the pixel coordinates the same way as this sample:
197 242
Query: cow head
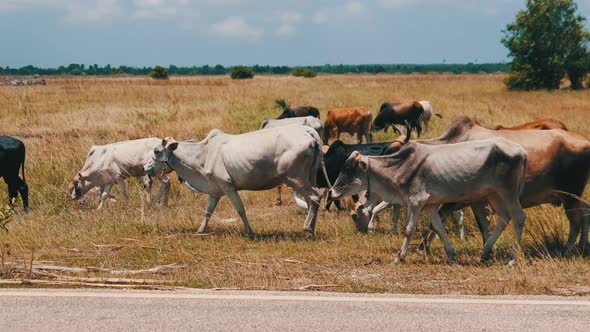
79 186
380 122
159 163
353 177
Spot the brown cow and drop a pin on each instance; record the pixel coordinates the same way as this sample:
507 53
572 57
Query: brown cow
543 124
559 161
391 114
296 112
348 120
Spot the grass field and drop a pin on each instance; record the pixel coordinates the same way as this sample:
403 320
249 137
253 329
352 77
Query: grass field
60 121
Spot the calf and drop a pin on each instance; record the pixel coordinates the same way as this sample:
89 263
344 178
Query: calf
392 114
422 177
296 112
12 160
108 165
354 121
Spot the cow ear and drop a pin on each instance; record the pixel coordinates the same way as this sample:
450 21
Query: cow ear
172 146
164 141
363 165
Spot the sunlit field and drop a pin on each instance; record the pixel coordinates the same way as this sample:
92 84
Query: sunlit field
59 122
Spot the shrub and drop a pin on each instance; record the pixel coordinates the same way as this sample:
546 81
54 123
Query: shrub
303 72
241 72
159 73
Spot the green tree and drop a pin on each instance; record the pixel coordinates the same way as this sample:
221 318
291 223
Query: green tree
547 41
159 73
241 72
303 72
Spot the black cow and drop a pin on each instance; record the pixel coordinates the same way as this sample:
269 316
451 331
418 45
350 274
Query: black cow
12 159
391 114
339 152
296 112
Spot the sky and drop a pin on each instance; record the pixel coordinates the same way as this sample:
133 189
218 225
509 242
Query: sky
49 33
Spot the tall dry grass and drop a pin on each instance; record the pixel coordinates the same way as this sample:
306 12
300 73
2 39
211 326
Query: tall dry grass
60 121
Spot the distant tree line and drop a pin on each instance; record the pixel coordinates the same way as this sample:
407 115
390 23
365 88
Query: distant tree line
96 70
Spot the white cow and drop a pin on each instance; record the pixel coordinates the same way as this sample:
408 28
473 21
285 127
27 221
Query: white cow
427 113
108 165
224 164
308 121
422 177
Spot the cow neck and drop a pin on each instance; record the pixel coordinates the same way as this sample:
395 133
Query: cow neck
183 160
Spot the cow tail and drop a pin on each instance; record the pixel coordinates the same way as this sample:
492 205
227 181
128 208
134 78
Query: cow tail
439 115
524 167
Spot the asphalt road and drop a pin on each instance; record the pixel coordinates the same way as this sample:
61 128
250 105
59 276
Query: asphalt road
206 310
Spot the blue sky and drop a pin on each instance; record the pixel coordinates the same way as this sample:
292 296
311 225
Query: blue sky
49 33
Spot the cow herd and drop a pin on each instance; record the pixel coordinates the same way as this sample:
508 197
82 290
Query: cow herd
501 170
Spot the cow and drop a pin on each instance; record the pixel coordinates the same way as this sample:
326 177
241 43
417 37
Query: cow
224 164
559 163
348 120
428 112
12 160
309 121
422 177
108 165
296 112
543 124
392 114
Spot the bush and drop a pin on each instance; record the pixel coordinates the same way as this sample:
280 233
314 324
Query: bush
241 72
159 73
303 72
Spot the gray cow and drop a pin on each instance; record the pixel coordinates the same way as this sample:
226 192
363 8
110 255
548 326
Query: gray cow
108 165
224 164
422 177
308 121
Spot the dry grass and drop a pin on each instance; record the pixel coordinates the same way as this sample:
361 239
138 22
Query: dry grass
60 121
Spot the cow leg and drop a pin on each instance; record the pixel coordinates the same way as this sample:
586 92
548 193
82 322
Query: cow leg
458 215
418 129
164 190
375 210
279 194
312 197
438 227
147 186
12 190
413 216
105 194
395 218
481 218
425 123
396 130
211 205
239 206
123 185
574 211
499 205
18 186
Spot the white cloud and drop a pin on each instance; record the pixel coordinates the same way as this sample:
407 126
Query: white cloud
237 27
396 4
286 29
329 15
160 8
93 11
290 17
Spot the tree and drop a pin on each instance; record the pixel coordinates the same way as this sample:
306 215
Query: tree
159 73
547 41
241 72
303 72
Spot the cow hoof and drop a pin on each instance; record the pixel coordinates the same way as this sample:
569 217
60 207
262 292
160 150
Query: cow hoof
310 233
398 260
